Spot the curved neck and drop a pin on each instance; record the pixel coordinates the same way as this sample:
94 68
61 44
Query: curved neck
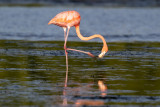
105 47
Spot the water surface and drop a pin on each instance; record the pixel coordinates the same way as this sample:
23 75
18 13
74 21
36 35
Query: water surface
115 24
32 73
32 59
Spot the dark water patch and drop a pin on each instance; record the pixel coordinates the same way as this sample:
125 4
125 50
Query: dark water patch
109 3
122 98
32 73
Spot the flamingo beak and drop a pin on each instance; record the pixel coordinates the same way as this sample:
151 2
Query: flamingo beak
101 55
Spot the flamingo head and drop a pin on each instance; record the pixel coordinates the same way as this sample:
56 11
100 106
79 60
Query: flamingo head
101 54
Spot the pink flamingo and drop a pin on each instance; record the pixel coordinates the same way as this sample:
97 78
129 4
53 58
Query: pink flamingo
67 19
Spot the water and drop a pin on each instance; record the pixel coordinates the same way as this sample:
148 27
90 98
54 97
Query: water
32 73
32 59
115 24
139 3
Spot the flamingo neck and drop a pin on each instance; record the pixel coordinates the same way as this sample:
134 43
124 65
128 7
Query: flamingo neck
105 47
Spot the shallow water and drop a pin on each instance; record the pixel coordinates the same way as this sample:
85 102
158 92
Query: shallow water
115 24
32 66
32 73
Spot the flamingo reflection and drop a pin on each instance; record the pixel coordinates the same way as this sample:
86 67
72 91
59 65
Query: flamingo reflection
102 88
88 102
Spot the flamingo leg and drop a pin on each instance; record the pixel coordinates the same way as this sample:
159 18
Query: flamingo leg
66 53
88 53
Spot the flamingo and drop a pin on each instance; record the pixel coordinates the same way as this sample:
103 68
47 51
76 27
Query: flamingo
68 19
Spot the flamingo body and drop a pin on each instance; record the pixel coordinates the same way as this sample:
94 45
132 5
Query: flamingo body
69 19
66 18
